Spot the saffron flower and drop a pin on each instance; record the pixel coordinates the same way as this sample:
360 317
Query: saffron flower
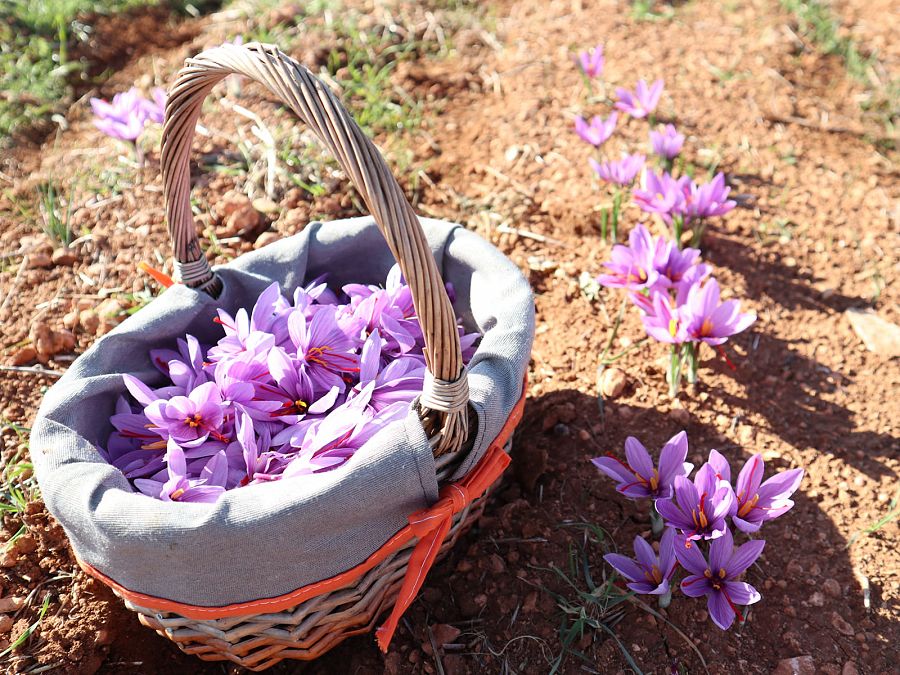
666 143
642 101
710 322
718 578
598 131
639 478
662 194
591 61
708 199
682 268
700 507
621 172
188 420
662 321
155 108
757 502
634 266
123 118
650 573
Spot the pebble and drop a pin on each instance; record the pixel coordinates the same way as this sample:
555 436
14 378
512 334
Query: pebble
817 599
877 334
243 220
48 342
89 321
612 382
39 261
265 205
265 239
832 588
797 665
6 624
12 603
840 625
64 257
849 669
23 356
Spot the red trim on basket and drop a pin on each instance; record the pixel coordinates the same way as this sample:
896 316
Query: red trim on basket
452 495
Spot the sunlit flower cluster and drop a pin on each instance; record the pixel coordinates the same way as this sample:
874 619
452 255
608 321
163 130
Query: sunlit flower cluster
695 513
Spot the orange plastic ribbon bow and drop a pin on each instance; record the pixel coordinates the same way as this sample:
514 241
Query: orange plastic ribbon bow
431 526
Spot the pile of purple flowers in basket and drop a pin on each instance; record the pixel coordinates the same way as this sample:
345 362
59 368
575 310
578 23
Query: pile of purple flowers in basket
291 389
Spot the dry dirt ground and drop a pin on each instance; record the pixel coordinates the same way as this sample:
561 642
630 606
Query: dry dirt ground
815 235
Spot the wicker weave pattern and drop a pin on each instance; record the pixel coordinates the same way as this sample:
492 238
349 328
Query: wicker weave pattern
308 630
317 106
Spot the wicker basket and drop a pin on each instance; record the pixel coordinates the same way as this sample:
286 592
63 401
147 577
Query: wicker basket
351 605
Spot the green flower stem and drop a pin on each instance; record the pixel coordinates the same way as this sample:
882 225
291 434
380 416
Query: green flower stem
665 599
678 228
656 521
617 204
673 376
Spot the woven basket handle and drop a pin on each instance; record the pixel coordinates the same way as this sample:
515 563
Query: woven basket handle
442 405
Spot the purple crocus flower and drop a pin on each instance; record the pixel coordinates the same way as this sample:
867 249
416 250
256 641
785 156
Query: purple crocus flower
649 574
324 350
124 118
662 321
718 578
179 488
400 380
621 172
642 102
591 61
634 266
662 194
189 420
708 199
680 265
156 108
639 478
666 143
598 131
756 501
699 507
710 322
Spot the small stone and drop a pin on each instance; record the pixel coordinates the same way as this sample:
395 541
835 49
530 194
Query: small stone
840 625
109 309
70 320
612 382
265 205
584 435
878 335
230 202
832 588
292 222
794 569
23 356
89 321
849 669
817 599
444 634
11 604
680 416
265 239
6 624
241 221
39 261
797 665
64 257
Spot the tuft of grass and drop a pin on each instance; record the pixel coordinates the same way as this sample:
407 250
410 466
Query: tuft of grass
587 605
23 638
889 517
645 10
17 484
55 215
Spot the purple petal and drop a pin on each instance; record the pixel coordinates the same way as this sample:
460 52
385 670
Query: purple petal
695 586
614 469
644 553
742 593
780 486
743 557
690 556
720 552
624 566
749 478
672 456
638 458
720 610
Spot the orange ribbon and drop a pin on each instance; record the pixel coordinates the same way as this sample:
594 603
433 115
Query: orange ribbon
432 525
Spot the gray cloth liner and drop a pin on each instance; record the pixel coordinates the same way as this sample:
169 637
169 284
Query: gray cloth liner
262 541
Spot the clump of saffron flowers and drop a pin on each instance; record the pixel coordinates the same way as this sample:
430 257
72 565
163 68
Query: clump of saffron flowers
680 303
642 101
294 387
690 515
